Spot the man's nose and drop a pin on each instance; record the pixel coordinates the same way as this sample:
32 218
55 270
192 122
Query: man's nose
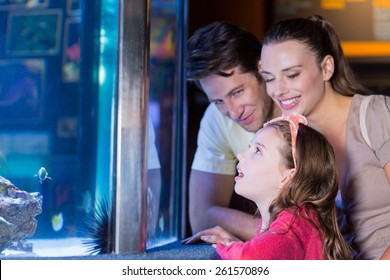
233 110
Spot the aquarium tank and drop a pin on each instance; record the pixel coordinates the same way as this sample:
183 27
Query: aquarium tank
61 103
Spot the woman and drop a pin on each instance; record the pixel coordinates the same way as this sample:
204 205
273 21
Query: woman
305 70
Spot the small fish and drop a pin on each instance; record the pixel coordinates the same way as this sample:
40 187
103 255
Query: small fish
161 223
57 221
42 175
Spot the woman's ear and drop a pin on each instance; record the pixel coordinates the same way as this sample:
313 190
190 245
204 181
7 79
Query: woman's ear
327 66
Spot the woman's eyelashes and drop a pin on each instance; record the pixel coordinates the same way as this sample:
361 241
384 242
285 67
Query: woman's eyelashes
294 75
289 76
268 79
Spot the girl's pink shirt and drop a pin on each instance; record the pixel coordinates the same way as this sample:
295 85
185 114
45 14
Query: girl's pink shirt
290 237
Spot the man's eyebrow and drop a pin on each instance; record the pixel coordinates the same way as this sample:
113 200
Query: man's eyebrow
230 92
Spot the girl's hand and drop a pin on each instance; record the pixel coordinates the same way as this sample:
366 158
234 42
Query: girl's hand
213 235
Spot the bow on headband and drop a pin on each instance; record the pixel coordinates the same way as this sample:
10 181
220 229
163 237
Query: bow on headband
294 120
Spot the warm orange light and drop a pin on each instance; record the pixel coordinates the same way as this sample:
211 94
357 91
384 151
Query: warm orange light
365 49
381 3
332 4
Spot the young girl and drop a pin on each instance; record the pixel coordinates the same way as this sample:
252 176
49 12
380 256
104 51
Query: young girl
289 172
305 71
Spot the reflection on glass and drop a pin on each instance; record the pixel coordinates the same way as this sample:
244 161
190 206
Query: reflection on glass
163 75
153 184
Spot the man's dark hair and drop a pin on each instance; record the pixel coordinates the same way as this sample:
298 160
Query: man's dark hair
221 46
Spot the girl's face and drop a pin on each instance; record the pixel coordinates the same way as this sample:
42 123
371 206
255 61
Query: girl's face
293 78
260 168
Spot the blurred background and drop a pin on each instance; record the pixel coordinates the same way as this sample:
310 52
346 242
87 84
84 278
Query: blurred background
59 98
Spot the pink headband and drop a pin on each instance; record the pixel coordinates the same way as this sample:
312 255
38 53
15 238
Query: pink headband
294 120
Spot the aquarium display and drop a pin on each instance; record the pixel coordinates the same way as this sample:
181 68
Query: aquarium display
58 90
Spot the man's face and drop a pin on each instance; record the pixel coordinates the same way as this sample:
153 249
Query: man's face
240 97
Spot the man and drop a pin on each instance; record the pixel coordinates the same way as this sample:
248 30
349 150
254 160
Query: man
223 62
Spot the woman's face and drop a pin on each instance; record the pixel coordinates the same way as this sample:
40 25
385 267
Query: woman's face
293 78
260 170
